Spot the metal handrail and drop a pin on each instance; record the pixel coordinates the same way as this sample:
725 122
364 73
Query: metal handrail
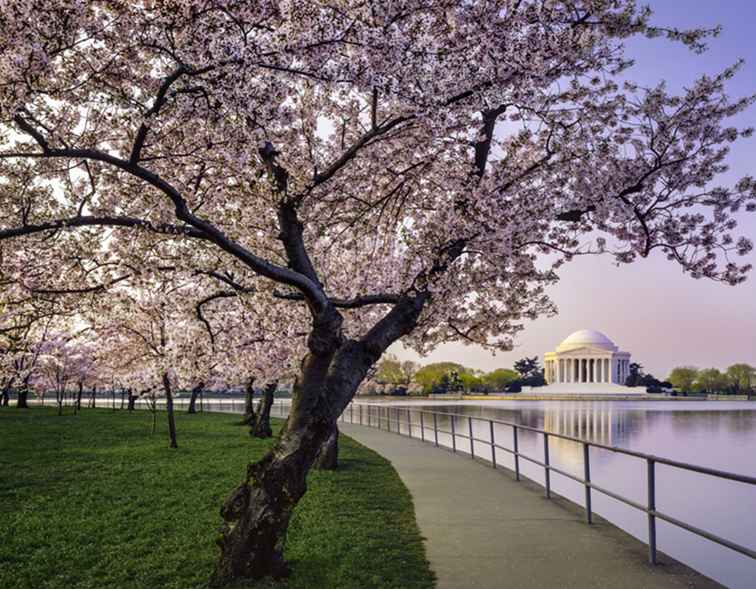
651 461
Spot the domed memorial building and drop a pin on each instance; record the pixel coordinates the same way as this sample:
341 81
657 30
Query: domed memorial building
587 362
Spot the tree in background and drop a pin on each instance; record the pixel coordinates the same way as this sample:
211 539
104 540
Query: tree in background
498 380
741 378
635 374
683 378
711 380
395 373
530 371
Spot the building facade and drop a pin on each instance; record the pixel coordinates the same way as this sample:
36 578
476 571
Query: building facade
587 357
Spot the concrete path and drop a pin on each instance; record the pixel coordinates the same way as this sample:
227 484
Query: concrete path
484 530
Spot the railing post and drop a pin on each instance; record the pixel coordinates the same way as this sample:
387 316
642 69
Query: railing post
422 426
547 472
359 410
493 444
651 508
435 430
453 434
472 441
388 419
516 453
409 423
587 477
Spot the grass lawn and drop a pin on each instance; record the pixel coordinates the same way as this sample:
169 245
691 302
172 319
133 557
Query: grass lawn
95 501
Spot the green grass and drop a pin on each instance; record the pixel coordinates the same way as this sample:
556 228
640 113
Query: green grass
95 501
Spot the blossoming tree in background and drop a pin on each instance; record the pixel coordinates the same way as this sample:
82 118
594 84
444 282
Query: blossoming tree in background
414 170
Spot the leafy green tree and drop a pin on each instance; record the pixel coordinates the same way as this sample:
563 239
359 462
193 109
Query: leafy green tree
711 380
392 371
741 377
430 375
389 370
499 379
683 377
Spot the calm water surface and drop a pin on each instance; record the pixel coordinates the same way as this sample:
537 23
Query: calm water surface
720 435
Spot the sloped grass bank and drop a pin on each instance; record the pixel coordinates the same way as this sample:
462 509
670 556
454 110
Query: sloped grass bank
95 501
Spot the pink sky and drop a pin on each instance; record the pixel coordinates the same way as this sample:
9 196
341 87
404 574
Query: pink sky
664 318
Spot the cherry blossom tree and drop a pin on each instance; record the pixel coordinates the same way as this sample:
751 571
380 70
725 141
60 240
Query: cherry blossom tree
413 169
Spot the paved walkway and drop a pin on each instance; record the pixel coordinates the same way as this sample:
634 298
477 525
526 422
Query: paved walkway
483 530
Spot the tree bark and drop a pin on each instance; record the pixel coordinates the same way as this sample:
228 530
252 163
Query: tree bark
78 397
328 455
193 399
7 391
94 397
23 399
132 400
169 410
261 427
249 404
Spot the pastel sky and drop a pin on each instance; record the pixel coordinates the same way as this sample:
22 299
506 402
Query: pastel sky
663 317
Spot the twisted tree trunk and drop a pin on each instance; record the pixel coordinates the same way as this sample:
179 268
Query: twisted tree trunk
256 514
23 398
193 399
169 410
94 397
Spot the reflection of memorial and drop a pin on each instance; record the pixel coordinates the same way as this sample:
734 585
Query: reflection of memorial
595 423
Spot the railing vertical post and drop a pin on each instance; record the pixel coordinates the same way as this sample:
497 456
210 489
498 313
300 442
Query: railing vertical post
351 412
422 426
472 440
409 423
587 477
493 443
516 453
388 419
359 410
453 434
547 472
651 508
435 430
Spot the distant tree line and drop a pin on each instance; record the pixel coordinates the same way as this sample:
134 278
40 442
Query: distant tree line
396 377
738 379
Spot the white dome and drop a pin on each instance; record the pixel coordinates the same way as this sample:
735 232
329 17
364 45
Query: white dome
587 337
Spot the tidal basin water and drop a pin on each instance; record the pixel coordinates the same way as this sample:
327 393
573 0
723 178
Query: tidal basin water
716 434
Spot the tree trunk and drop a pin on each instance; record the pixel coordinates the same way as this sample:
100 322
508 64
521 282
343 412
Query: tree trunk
132 400
123 396
249 404
59 400
7 391
78 397
23 399
328 455
94 397
261 428
193 399
256 514
169 410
